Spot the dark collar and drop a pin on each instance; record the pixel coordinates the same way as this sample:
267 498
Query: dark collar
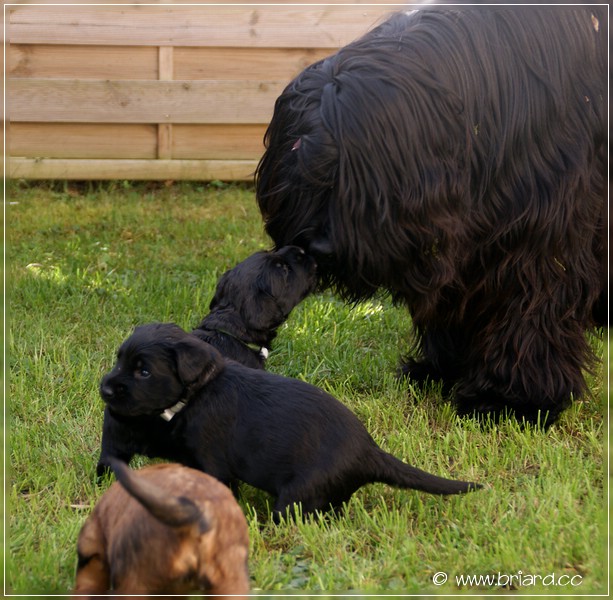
261 350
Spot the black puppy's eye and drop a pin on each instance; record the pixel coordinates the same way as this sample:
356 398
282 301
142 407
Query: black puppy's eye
143 373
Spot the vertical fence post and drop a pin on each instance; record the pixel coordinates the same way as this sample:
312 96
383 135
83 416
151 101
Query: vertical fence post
165 73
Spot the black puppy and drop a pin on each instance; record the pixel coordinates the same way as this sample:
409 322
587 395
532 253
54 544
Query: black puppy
173 396
253 299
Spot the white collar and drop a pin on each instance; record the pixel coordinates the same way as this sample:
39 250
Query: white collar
169 413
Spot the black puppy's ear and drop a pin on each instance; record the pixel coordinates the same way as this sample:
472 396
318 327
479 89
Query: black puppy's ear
196 361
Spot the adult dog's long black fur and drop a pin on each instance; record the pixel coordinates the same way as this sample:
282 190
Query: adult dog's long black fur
172 395
253 299
456 157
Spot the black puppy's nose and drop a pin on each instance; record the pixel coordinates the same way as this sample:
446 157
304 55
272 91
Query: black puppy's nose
107 392
297 256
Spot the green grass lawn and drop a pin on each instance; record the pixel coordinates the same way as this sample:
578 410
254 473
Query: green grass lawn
85 264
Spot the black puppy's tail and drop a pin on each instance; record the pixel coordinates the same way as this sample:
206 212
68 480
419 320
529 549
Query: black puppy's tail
394 472
176 511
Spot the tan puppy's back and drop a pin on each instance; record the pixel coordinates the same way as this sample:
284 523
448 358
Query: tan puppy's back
202 545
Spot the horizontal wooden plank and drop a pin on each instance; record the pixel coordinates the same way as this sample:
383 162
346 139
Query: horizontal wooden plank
88 140
218 141
82 140
280 64
291 26
159 170
82 62
112 101
141 62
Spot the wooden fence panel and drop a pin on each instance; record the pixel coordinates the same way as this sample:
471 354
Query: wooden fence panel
82 62
113 101
218 141
197 170
277 26
157 91
277 64
83 140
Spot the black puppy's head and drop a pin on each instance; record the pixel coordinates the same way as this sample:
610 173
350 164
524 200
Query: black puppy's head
265 287
156 367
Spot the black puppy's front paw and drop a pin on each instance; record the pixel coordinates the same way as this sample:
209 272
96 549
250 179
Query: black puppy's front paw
103 468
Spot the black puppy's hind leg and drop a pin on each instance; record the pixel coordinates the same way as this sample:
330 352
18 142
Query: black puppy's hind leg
299 502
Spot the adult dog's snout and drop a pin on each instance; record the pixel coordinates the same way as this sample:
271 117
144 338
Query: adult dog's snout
321 248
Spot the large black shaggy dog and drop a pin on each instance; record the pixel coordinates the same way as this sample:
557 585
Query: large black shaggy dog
456 157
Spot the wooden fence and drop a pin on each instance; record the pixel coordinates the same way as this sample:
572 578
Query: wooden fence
157 92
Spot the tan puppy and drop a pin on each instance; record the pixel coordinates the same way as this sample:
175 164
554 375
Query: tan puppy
165 529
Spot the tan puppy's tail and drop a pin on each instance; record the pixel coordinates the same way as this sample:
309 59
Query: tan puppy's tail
176 511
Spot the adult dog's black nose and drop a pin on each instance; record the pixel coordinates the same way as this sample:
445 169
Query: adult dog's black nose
321 248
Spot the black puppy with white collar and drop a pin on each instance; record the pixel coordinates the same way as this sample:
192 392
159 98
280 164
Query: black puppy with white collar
173 396
253 299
